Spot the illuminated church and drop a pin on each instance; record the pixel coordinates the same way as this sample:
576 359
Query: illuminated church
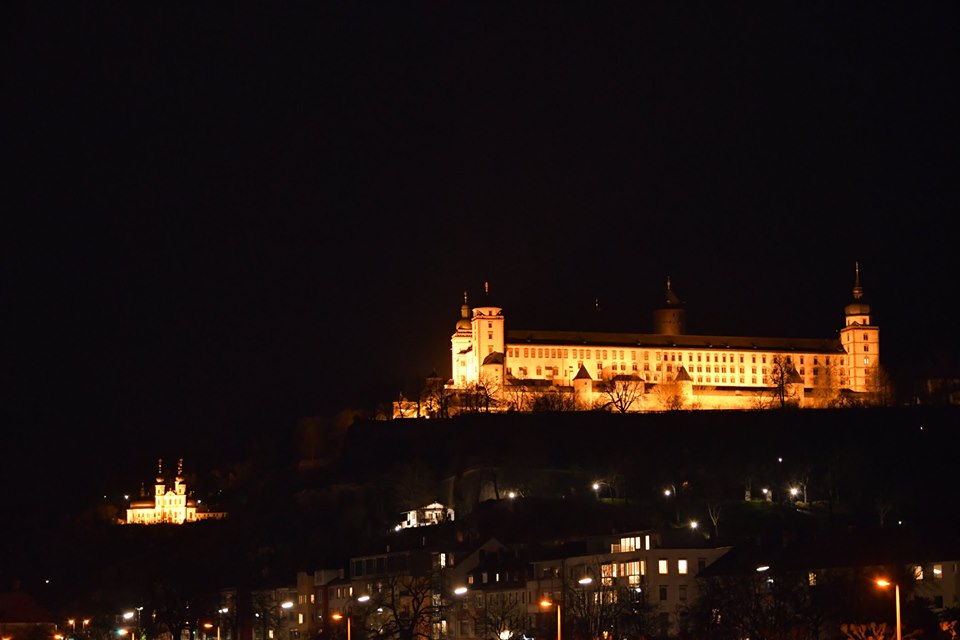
170 505
497 368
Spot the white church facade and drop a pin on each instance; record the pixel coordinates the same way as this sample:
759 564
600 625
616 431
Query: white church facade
169 505
514 369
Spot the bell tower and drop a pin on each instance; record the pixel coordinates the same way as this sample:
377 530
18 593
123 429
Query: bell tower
861 341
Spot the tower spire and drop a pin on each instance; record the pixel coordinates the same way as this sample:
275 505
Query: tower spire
857 289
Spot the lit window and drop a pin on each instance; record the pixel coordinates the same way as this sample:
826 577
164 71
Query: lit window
812 579
938 572
682 566
918 572
662 567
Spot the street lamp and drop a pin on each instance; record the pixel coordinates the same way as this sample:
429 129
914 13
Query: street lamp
886 583
340 616
546 604
670 491
220 613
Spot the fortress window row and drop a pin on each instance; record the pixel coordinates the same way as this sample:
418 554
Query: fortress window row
613 354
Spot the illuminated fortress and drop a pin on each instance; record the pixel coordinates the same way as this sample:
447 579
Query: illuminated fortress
495 368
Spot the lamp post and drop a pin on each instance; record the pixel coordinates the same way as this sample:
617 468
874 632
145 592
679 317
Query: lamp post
547 603
348 615
220 613
896 587
670 492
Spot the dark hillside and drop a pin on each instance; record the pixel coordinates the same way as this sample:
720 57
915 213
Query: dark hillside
849 460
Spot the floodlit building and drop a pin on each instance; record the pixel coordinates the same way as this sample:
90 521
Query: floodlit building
170 504
498 368
431 514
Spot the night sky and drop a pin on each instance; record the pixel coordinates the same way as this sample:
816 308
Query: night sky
221 219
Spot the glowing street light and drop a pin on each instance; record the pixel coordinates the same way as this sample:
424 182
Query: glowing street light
340 616
670 491
546 604
886 583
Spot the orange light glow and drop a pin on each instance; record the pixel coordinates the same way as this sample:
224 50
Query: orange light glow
337 616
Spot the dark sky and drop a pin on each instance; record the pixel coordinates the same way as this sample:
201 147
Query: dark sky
223 218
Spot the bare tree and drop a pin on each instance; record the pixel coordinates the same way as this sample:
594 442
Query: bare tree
621 392
502 616
553 399
516 394
669 396
881 388
782 376
884 507
404 607
265 609
481 397
826 384
713 510
435 399
605 609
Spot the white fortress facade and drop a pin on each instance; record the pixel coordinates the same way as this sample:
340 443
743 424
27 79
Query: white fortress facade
666 369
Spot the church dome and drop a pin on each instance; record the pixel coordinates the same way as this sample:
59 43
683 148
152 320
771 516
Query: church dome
493 358
857 308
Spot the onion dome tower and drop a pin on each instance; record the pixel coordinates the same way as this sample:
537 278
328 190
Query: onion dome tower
461 347
861 341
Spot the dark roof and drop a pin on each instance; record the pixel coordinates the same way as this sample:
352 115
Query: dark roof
593 338
494 357
857 548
